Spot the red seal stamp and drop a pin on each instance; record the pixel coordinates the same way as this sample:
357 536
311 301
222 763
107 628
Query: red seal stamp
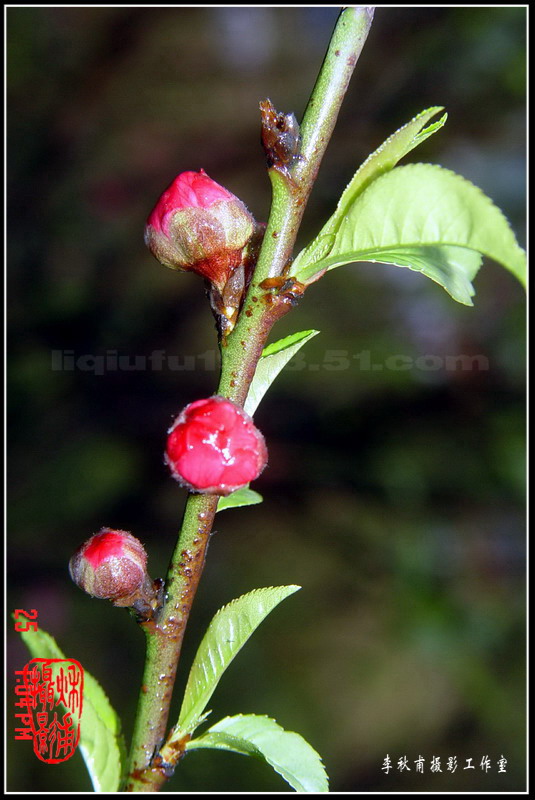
50 690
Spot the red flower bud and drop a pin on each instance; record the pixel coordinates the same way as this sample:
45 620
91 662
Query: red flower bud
111 565
198 225
214 447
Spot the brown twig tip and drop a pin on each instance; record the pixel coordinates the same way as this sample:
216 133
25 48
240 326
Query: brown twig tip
281 138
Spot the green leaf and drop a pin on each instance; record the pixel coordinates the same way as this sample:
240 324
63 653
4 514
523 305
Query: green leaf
380 161
274 358
420 216
287 752
227 633
386 157
452 267
101 741
288 341
241 497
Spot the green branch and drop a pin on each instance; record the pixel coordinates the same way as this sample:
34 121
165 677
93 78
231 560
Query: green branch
240 355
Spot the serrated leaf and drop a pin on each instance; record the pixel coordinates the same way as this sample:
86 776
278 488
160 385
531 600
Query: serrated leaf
385 158
453 268
274 358
318 249
223 741
406 214
101 741
227 633
241 497
288 753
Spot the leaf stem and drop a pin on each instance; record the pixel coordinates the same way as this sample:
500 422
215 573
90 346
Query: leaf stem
240 356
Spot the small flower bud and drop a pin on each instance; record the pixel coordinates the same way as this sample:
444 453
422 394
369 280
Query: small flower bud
200 226
112 565
214 447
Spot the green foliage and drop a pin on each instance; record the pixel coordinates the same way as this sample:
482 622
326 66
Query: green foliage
241 497
101 741
274 358
227 633
419 216
380 161
287 752
384 159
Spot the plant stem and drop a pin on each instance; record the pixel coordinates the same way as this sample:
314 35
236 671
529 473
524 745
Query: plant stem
240 357
164 641
290 197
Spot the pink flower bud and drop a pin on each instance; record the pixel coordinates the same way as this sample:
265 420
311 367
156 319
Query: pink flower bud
214 447
111 565
198 225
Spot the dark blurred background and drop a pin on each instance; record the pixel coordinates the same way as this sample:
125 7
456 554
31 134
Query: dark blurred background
394 496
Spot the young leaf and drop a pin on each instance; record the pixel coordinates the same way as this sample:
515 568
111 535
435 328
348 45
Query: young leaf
380 161
420 216
453 268
274 358
227 633
241 497
288 753
101 741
